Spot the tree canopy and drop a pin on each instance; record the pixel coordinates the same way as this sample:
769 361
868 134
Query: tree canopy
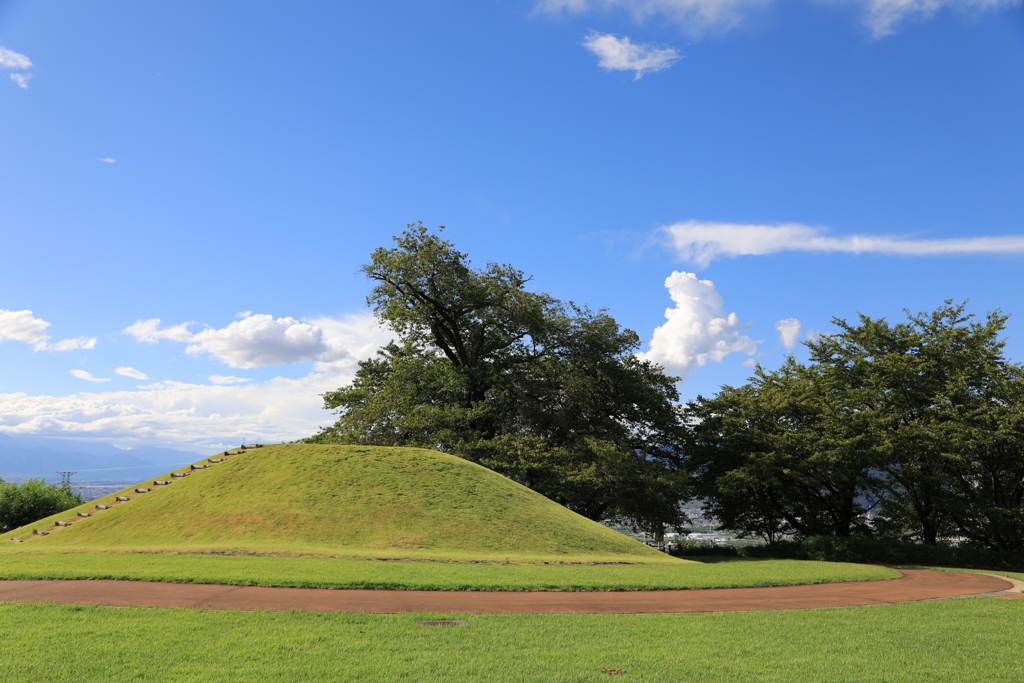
32 500
921 423
547 392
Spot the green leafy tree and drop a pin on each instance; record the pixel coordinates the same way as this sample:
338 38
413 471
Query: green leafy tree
922 421
548 393
32 500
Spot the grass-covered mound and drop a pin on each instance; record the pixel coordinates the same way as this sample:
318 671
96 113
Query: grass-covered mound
354 501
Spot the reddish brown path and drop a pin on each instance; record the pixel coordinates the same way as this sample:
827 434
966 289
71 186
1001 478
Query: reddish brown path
914 585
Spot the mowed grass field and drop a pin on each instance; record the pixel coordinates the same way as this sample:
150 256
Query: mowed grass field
318 572
971 639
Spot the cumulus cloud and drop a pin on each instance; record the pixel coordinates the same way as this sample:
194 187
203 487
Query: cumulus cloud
881 17
697 330
87 376
107 160
789 331
15 61
227 379
255 341
260 340
149 331
179 414
131 372
23 326
701 243
619 54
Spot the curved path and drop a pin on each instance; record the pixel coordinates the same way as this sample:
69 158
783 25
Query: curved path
915 584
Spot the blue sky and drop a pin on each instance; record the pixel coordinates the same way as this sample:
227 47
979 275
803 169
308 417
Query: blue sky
757 167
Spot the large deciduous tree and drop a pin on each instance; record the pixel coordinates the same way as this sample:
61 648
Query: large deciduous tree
548 393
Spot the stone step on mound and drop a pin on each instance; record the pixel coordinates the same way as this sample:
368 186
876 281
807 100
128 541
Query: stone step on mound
216 459
37 532
17 540
179 475
102 507
158 482
85 514
62 523
123 499
141 490
199 467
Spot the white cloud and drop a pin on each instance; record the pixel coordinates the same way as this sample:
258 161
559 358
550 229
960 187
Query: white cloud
149 331
789 331
11 60
619 54
260 340
179 414
349 340
243 314
881 17
694 16
701 243
107 160
227 379
82 374
72 344
22 79
131 372
255 341
23 326
697 330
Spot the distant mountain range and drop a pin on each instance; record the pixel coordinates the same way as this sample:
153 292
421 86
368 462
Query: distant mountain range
27 457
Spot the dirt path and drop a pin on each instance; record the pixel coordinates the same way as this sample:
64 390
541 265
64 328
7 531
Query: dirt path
916 584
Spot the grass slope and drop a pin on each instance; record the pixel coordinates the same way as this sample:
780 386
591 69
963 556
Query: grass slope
354 501
973 639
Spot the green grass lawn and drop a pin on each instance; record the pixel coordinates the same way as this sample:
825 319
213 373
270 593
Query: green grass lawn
317 572
972 639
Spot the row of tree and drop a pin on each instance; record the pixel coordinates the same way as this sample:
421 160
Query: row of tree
907 430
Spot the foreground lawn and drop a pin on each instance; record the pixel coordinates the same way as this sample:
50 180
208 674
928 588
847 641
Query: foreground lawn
316 572
973 639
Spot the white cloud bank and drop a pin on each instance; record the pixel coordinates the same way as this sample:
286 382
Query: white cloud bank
15 61
260 340
701 243
697 17
23 326
219 414
697 330
619 54
178 414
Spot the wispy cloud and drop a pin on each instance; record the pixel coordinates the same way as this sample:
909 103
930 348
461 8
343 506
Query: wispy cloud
619 54
228 379
15 61
87 376
789 332
697 329
107 160
23 326
131 372
701 243
697 17
149 331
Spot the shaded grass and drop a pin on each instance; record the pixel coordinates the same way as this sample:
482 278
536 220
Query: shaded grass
332 499
974 639
317 572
